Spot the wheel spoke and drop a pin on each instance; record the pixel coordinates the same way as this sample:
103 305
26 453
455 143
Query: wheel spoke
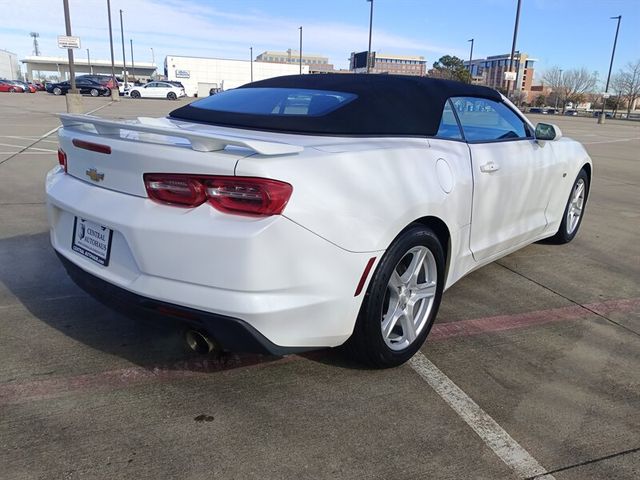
395 281
390 321
408 327
423 290
415 267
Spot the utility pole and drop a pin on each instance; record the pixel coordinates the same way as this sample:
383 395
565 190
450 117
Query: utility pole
124 60
470 54
513 46
115 94
89 62
133 65
300 50
370 30
613 54
251 61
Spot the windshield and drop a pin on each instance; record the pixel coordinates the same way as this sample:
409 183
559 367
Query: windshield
276 101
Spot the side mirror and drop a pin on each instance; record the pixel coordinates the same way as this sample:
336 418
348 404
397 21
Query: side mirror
547 131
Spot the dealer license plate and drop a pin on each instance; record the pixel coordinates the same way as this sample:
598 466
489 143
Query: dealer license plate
91 240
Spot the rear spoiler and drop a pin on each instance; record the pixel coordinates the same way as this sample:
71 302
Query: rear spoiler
201 142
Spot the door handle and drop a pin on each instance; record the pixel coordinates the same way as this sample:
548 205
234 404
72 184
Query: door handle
489 167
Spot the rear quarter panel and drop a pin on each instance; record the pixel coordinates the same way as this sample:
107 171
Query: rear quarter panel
360 196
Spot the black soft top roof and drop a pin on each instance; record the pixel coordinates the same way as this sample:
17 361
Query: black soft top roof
386 105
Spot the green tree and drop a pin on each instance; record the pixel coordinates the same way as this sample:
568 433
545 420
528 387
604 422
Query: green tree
540 101
451 68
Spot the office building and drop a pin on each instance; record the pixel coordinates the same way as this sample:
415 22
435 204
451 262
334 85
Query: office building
316 63
386 63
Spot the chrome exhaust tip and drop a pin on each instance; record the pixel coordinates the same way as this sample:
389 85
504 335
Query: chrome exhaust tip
199 342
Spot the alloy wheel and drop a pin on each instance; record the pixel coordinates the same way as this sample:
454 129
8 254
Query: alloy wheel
409 298
576 204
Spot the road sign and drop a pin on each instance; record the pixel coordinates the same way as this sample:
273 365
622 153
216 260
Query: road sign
510 76
65 41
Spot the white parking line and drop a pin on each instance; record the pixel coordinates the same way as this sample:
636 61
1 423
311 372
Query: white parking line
612 141
492 434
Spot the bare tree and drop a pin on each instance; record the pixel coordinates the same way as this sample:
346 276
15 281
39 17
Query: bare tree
630 83
617 86
570 85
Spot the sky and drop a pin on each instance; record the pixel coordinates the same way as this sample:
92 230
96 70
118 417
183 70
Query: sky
566 33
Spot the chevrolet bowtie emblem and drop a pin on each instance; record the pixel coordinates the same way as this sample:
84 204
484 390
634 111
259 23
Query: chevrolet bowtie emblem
93 174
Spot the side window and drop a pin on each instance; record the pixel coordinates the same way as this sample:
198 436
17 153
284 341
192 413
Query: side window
448 124
485 120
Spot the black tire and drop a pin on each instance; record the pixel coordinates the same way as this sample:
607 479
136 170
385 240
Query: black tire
12 90
565 234
94 92
134 94
57 91
367 343
107 93
171 96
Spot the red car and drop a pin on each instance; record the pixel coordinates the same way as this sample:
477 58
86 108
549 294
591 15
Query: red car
8 86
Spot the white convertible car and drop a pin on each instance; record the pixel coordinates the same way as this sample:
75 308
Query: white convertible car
309 211
156 90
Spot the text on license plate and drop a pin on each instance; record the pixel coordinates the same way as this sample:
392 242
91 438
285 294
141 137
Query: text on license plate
91 240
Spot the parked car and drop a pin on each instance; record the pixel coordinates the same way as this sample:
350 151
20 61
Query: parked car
39 86
104 80
85 86
10 86
26 87
552 111
597 114
571 113
277 229
537 110
156 90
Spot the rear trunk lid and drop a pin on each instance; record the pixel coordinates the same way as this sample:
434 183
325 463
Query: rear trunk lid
116 154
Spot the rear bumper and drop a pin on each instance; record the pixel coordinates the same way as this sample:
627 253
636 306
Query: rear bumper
292 287
231 333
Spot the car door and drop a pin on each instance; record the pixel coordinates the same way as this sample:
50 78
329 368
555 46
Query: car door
163 89
512 176
150 90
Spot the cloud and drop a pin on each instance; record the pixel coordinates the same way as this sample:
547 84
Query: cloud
187 27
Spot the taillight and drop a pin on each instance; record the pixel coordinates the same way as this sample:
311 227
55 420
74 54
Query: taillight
62 159
236 195
175 189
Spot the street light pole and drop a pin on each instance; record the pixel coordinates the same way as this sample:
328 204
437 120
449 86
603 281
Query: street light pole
115 95
67 24
559 86
124 60
300 50
513 45
613 54
89 62
370 30
251 61
470 54
133 65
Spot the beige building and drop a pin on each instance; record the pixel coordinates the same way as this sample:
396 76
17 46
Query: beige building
490 71
387 63
316 63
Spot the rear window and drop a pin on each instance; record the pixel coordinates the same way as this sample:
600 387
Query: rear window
276 101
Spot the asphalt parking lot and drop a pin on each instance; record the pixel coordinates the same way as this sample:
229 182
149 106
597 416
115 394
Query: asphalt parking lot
532 371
